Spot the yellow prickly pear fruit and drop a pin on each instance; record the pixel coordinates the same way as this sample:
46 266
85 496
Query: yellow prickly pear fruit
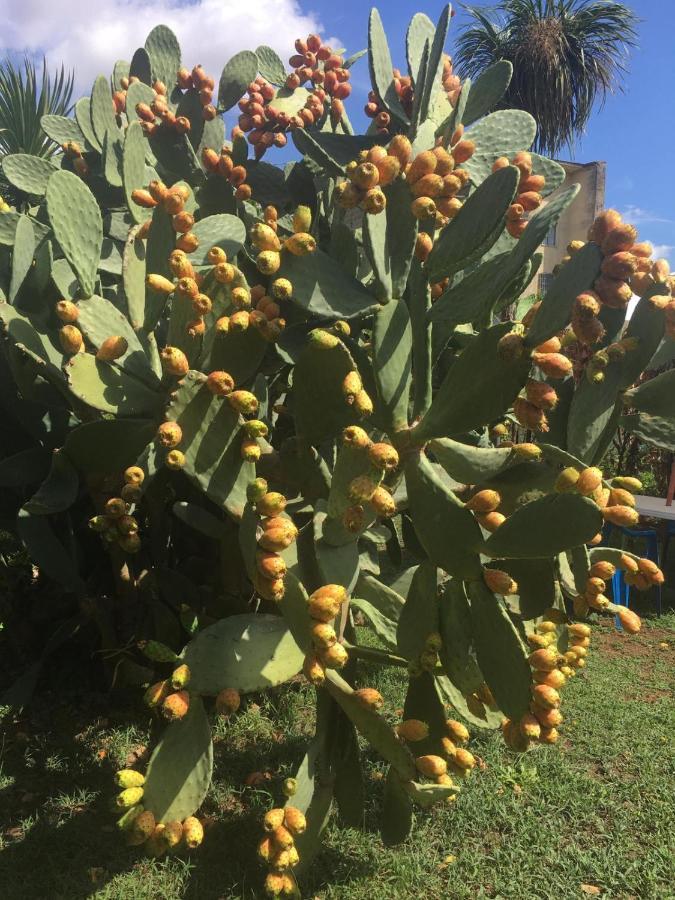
383 456
464 759
484 501
383 503
172 834
70 338
274 884
169 435
271 504
313 670
175 459
281 836
266 849
128 778
538 640
361 489
545 627
134 475
545 696
176 705
351 385
300 244
555 678
160 284
334 657
228 701
627 482
281 860
193 832
566 480
370 698
621 515
144 825
180 677
431 766
268 262
278 538
156 693
294 820
174 361
325 603
112 348
499 582
216 255
220 384
630 621
354 436
547 717
544 660
526 451
589 480
549 736
67 311
273 819
302 219
412 730
448 747
254 428
580 642
282 289
365 176
115 507
250 451
620 497
578 629
320 339
458 732
243 402
264 238
323 635
129 797
514 737
363 404
530 727
270 565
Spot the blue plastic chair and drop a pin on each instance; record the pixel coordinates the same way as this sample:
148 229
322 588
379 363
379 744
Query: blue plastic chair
621 590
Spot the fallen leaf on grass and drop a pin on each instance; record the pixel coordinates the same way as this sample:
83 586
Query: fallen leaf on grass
448 861
591 889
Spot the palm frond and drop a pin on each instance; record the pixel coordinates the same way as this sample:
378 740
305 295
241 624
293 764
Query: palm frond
567 56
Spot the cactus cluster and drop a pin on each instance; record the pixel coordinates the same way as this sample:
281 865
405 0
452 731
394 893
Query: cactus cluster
253 382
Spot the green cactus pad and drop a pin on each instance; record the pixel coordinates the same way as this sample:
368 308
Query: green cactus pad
270 65
28 173
120 71
486 91
545 527
180 768
380 66
552 171
502 133
138 92
110 389
396 818
647 324
58 491
238 73
83 119
476 227
419 616
109 445
489 385
40 344
47 551
62 130
371 725
112 160
426 795
159 245
351 462
163 48
593 413
383 598
101 110
175 153
501 654
225 231
435 62
468 464
247 652
133 169
392 345
457 653
436 513
133 279
384 628
333 151
652 429
420 30
140 66
337 559
79 236
537 589
348 788
22 257
655 396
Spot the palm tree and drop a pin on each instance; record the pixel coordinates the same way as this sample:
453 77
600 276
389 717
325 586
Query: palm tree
566 54
24 98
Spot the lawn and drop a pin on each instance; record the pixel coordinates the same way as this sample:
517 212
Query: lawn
592 816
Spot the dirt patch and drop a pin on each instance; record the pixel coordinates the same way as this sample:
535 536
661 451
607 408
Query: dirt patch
613 643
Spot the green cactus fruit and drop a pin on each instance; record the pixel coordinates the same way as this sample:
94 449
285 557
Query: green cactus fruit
413 730
127 778
129 797
180 677
289 787
322 340
157 652
271 504
176 705
431 766
243 402
634 485
228 702
67 311
566 480
254 428
99 523
112 348
174 361
334 657
499 582
256 490
324 604
370 698
70 338
169 435
126 821
193 832
484 501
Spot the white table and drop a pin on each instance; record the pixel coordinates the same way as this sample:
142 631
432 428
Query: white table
654 507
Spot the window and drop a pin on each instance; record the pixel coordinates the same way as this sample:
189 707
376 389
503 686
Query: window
544 283
550 239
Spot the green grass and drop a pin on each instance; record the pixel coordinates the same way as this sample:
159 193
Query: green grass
598 810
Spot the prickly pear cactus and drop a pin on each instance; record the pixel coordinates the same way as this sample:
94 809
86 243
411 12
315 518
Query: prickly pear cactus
263 374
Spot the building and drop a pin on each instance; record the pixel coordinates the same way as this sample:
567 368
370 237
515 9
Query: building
575 221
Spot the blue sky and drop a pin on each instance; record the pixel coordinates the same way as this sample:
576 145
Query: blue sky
634 133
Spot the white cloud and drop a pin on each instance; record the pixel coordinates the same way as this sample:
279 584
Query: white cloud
663 251
90 36
636 215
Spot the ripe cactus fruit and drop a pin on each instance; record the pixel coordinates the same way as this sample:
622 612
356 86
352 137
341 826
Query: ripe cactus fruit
334 657
115 507
112 348
169 435
354 436
545 696
128 778
383 456
220 383
157 693
193 832
361 489
323 635
499 582
370 698
459 733
566 480
282 838
143 825
175 460
174 361
412 730
243 402
484 501
134 475
294 820
588 481
228 702
555 678
543 660
630 621
431 766
271 504
176 705
541 394
274 884
300 244
548 717
623 516
67 311
180 677
491 521
530 726
71 340
129 797
313 670
351 385
553 365
325 603
383 503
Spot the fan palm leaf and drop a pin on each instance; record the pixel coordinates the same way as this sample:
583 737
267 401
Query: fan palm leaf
566 55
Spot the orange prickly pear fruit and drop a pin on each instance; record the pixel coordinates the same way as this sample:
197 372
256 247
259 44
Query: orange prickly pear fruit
281 836
552 345
401 148
128 778
351 385
549 736
619 265
499 582
541 394
383 503
354 436
458 732
269 588
511 346
278 538
169 435
365 176
464 759
514 737
523 161
534 183
243 402
70 338
546 627
388 169
578 629
485 501
266 849
566 480
127 525
630 621
180 677
428 186
412 730
423 246
545 696
594 586
530 727
129 797
620 515
300 244
193 832
500 163
250 450
619 239
157 693
491 521
423 208
220 383
325 603
174 361
374 201
176 705
334 657
424 164
112 348
323 635
603 225
449 748
431 766
370 698
142 197
543 660
383 456
143 825
588 481
264 237
614 292
361 489
115 507
271 504
313 669
294 820
553 365
463 151
228 701
555 678
547 718
586 305
67 311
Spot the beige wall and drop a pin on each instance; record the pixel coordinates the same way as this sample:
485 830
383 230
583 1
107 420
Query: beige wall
577 218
